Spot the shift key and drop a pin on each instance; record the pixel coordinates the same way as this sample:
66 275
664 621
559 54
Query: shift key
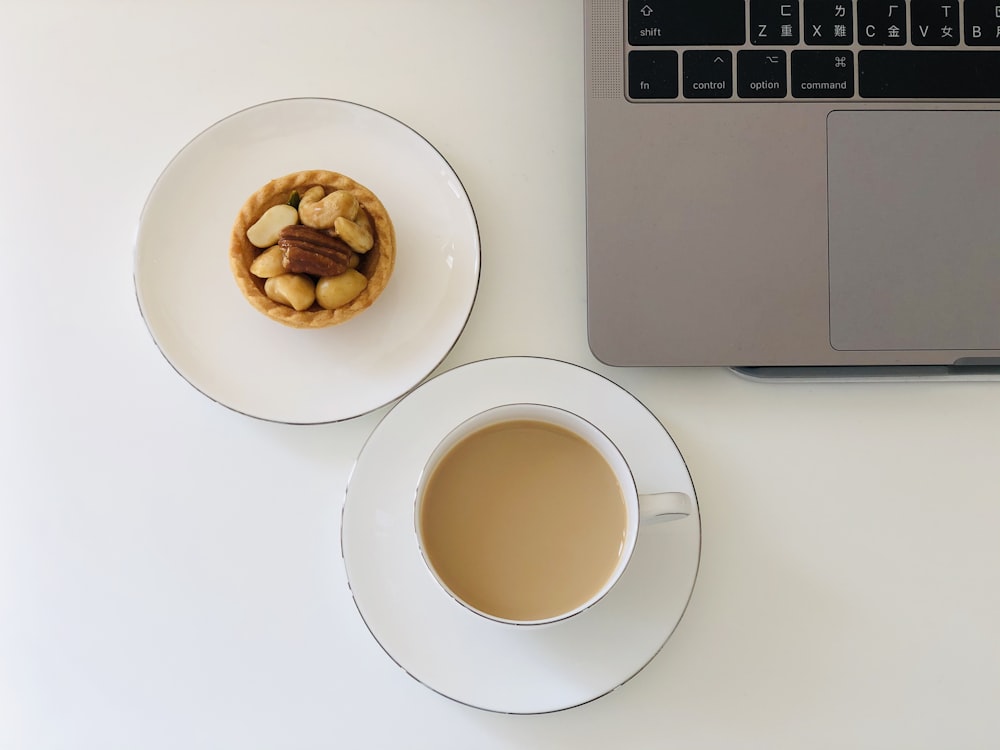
686 22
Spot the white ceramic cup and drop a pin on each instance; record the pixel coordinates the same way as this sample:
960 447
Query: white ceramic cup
640 509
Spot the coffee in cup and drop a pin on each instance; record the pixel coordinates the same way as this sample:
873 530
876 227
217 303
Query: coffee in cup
528 513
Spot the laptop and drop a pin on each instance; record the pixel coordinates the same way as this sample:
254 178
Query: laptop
793 183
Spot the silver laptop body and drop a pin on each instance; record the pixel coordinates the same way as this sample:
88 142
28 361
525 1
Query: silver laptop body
793 183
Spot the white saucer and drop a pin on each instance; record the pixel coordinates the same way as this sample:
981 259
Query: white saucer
235 355
466 657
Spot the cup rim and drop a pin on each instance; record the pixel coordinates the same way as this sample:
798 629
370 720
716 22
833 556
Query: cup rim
630 496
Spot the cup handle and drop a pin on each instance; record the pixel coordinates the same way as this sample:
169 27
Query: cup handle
663 506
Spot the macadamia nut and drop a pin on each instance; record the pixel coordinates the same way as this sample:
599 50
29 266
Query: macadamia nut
268 263
336 291
293 289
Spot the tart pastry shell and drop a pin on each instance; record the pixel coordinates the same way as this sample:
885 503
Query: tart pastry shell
376 264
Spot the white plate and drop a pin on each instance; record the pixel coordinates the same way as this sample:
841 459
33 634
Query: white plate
244 360
466 657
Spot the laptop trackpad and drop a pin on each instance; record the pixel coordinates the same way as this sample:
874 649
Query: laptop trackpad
914 210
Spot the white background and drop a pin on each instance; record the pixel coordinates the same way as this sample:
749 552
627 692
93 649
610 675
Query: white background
169 570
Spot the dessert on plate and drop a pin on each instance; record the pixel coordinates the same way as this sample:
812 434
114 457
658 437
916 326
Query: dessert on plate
312 249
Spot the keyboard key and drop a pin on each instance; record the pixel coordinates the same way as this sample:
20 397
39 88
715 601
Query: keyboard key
822 74
708 74
982 22
929 74
652 75
882 22
761 74
828 22
934 22
774 21
687 22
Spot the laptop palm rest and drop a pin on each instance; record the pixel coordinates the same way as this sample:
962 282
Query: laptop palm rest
914 259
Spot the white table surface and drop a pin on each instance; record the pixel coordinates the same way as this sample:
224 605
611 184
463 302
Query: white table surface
163 587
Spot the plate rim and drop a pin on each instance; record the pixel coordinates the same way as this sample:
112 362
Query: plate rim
277 102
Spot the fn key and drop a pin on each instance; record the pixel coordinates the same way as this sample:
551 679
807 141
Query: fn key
652 74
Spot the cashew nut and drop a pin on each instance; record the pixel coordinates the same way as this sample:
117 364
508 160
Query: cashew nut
268 263
321 212
264 232
336 291
313 194
355 235
292 289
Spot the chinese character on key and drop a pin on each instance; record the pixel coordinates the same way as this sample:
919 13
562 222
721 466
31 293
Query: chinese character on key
839 11
946 32
894 32
786 29
839 30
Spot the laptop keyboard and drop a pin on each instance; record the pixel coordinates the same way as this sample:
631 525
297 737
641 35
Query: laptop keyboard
755 50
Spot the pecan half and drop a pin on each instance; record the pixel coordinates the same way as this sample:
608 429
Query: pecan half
313 251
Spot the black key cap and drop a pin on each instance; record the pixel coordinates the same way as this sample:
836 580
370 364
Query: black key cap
822 74
774 21
761 74
982 22
708 74
687 22
828 22
934 22
882 22
652 75
929 74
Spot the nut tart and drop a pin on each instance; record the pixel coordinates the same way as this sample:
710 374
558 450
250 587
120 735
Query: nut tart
312 249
